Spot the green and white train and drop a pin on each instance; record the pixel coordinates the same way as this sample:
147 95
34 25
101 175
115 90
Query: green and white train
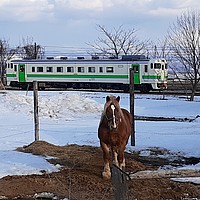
89 74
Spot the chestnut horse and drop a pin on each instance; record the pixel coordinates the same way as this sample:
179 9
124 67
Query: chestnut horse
113 132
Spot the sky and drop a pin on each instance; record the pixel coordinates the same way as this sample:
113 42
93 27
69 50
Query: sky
73 23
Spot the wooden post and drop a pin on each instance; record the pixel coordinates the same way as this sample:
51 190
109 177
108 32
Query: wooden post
131 75
119 182
36 117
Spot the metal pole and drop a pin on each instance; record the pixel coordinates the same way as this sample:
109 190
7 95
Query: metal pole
131 75
36 117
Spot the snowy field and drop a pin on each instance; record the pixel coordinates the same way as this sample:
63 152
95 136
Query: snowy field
73 117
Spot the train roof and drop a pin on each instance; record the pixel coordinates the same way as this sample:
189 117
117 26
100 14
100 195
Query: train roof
124 59
73 61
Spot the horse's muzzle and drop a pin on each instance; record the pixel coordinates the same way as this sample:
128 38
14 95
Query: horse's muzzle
113 127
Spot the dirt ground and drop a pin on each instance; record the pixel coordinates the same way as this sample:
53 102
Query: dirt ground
80 177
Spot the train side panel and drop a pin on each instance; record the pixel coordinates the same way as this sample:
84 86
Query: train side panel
148 75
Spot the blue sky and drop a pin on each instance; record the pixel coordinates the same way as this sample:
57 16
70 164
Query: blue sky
73 23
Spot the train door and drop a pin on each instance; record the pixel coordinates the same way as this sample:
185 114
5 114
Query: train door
21 71
136 68
166 71
162 72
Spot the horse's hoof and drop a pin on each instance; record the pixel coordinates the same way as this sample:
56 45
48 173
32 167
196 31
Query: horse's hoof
106 175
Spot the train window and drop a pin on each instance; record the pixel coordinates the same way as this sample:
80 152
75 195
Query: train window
11 66
33 69
21 69
49 69
81 69
8 65
15 68
59 69
100 69
157 66
109 69
136 68
166 66
151 65
145 68
162 67
39 69
70 69
91 69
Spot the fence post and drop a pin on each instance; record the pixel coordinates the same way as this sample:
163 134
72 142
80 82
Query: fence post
131 75
36 117
119 182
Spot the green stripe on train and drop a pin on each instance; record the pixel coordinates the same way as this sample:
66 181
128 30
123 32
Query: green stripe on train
81 76
151 77
10 75
76 76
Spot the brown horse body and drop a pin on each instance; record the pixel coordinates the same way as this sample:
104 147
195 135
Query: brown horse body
114 131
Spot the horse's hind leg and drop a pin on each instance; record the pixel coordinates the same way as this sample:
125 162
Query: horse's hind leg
122 165
121 158
115 160
106 157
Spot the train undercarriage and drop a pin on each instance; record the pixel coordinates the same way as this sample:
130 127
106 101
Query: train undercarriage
144 88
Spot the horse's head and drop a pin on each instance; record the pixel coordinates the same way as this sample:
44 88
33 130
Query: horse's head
112 112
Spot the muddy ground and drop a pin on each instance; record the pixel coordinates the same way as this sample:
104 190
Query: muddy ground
80 177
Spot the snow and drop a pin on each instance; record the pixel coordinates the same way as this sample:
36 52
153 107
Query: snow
72 117
195 180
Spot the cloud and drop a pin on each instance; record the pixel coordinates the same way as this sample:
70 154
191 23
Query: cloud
29 10
169 8
94 5
76 20
40 10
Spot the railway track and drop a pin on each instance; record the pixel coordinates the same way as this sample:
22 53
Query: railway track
174 88
164 92
174 92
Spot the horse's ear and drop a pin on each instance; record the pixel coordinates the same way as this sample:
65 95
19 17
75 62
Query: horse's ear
118 98
107 98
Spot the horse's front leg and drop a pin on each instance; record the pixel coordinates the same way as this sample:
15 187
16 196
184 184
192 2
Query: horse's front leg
106 157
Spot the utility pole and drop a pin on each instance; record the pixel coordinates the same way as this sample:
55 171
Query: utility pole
36 116
131 76
35 50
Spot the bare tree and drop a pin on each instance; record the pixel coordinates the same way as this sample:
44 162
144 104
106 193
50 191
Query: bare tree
118 41
160 49
30 49
5 54
184 41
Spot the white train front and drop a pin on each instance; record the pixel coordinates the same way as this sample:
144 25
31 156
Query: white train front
89 74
